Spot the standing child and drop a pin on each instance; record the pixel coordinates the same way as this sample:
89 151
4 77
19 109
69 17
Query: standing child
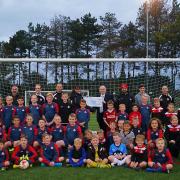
21 110
109 115
3 135
14 133
139 153
154 132
160 160
135 113
49 154
157 110
170 112
122 112
35 109
8 112
4 156
120 124
65 109
77 155
1 107
135 128
118 152
145 110
30 130
83 115
72 131
24 150
110 134
172 135
97 154
49 109
57 132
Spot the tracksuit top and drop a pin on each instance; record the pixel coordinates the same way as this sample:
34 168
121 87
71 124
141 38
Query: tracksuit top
8 113
35 111
14 133
30 132
57 133
49 110
21 113
71 133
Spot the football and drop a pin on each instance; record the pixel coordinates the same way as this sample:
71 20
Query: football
24 164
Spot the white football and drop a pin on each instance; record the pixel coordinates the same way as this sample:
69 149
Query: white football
24 164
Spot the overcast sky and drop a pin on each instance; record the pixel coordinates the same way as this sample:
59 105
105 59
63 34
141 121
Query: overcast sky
16 14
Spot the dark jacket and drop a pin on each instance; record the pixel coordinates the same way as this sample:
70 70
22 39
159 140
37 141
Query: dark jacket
101 152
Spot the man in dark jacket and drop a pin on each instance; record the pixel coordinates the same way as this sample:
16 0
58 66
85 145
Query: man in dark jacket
105 98
125 98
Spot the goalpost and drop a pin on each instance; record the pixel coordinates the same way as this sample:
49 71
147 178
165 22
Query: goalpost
89 74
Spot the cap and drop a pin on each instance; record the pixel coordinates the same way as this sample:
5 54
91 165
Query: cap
123 86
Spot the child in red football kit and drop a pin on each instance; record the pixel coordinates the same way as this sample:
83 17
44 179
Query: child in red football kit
110 115
170 112
135 113
157 110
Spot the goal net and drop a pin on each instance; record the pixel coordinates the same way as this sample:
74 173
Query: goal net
89 74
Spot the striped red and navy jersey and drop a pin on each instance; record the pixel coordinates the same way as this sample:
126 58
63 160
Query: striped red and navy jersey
8 114
49 110
153 135
21 113
19 152
14 133
30 132
36 113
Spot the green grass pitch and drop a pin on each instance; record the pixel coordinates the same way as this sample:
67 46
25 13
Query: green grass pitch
69 173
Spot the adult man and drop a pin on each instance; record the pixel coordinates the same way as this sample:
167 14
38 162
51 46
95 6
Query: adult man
58 94
15 94
105 98
125 97
138 96
41 98
165 98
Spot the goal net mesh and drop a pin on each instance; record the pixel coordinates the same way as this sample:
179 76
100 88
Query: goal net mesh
89 75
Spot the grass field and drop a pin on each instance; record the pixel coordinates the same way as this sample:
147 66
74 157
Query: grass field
69 173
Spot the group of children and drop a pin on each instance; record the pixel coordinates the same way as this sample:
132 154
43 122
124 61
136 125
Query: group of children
55 135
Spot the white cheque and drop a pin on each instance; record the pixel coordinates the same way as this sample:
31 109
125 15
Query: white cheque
93 101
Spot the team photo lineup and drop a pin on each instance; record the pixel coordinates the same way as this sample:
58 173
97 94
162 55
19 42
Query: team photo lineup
135 131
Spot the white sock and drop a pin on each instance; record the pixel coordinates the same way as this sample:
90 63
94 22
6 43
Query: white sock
115 161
